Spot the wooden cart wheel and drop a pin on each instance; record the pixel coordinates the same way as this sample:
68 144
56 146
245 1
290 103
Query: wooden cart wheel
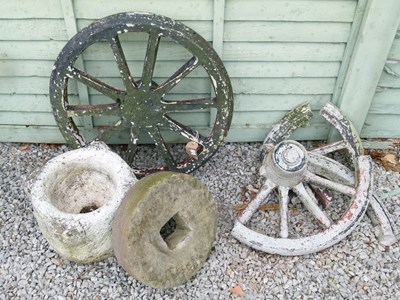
141 106
291 169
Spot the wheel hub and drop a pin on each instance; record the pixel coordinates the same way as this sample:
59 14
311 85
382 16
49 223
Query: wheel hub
289 156
143 109
286 163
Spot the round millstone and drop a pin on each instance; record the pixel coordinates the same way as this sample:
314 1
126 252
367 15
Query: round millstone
164 229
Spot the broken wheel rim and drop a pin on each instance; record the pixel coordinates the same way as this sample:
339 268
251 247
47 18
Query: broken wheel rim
289 167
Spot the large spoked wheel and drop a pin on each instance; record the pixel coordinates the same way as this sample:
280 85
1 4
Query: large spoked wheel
314 178
142 106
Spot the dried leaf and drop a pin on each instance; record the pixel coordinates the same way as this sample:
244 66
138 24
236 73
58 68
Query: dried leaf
391 162
269 207
48 146
295 212
237 290
240 206
24 147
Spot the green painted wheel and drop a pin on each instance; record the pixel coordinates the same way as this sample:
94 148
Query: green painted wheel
164 229
141 105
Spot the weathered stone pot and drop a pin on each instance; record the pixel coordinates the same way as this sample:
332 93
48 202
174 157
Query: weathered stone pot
75 197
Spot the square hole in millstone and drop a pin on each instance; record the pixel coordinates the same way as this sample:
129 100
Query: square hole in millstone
174 231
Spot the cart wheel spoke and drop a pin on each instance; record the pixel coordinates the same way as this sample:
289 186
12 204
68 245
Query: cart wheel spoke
283 208
150 58
326 149
183 71
111 109
260 199
98 85
133 143
310 203
185 131
120 59
107 132
330 168
160 143
330 184
193 104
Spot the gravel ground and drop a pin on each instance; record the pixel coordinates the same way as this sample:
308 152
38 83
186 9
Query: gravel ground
356 268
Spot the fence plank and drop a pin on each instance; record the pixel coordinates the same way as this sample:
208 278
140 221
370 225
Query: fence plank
177 9
32 29
280 10
23 9
283 51
245 31
371 50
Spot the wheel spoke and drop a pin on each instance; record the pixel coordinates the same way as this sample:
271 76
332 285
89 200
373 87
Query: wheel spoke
283 207
262 195
330 168
150 58
119 56
92 110
320 181
132 147
185 131
155 135
94 83
330 148
108 131
310 203
183 71
193 104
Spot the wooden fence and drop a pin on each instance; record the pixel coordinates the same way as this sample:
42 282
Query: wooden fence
278 54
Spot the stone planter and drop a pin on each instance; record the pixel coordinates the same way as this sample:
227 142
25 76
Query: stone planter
75 197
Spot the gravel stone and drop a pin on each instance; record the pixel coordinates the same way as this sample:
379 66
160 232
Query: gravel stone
356 268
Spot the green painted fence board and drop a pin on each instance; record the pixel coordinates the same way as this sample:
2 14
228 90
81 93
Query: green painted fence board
239 31
27 118
26 68
42 68
47 50
280 10
241 51
278 102
28 9
394 53
386 102
283 85
381 125
38 50
177 9
24 85
24 103
33 29
282 69
235 69
204 28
